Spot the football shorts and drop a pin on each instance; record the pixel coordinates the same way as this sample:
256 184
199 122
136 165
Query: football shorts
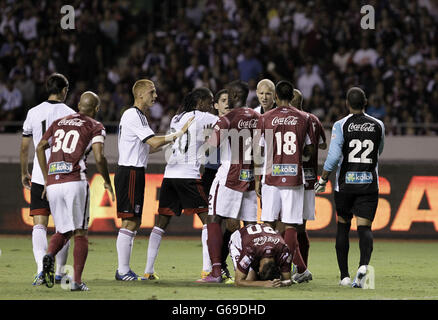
360 205
70 205
283 204
179 195
38 206
229 203
129 183
309 205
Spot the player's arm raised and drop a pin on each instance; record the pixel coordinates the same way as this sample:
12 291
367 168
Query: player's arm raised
24 161
158 141
102 166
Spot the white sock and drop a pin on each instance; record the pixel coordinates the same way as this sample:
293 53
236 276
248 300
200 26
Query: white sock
206 262
125 242
61 259
153 247
39 245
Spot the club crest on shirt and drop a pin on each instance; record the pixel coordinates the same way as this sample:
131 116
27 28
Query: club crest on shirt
60 167
246 175
284 170
353 177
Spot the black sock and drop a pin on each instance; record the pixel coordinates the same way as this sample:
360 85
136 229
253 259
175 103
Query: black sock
342 247
365 244
225 250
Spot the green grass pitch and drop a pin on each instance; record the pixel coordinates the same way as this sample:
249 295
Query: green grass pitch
403 270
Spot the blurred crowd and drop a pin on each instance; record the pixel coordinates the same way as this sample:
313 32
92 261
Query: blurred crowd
319 45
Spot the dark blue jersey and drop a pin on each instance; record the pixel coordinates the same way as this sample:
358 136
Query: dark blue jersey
357 141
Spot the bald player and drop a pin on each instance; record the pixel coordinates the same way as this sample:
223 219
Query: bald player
71 139
310 174
136 141
265 94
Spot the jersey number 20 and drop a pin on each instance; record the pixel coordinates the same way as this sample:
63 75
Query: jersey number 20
63 141
358 146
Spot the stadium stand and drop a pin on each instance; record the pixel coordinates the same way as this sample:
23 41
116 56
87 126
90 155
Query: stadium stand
319 45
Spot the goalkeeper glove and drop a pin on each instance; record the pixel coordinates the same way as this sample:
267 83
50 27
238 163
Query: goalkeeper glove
320 185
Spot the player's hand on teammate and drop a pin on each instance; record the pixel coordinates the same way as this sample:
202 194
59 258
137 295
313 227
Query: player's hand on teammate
26 180
320 185
109 187
187 125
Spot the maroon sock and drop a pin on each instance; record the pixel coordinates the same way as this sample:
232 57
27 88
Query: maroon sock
214 243
57 242
290 237
80 253
304 245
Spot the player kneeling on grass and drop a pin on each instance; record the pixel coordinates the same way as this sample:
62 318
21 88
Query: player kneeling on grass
261 258
71 139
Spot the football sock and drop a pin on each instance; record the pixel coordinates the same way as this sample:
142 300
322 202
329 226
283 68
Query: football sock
124 249
61 259
225 249
153 247
304 245
80 253
206 262
365 244
342 247
290 237
39 245
57 241
214 242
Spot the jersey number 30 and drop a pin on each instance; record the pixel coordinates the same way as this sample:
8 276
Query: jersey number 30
358 146
66 142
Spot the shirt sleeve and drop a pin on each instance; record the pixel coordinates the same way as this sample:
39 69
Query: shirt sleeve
244 262
215 139
335 149
139 125
27 127
285 260
382 141
98 135
310 134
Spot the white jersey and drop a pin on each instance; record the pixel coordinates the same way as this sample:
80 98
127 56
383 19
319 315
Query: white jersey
38 120
134 131
184 160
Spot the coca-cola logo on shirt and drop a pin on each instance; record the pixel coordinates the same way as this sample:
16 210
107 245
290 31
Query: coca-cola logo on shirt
290 120
71 122
263 239
247 124
364 127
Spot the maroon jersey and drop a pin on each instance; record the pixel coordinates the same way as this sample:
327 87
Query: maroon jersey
311 166
234 133
285 131
70 139
259 241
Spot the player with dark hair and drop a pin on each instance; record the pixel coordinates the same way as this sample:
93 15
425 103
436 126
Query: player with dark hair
357 141
310 174
38 119
286 134
136 141
232 192
71 139
261 257
181 190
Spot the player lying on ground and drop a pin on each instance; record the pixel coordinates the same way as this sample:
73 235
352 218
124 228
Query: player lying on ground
261 258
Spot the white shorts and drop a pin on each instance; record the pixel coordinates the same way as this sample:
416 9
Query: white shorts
282 203
229 203
70 205
309 205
